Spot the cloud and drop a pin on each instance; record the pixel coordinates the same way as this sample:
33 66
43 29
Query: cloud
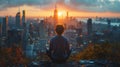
84 5
97 5
13 3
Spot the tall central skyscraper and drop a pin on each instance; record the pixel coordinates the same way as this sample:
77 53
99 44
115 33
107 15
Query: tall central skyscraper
56 15
18 20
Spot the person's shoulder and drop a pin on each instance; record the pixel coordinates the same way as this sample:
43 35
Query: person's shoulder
57 37
53 38
65 38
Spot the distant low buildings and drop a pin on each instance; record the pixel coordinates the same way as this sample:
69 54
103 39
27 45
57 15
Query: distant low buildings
14 37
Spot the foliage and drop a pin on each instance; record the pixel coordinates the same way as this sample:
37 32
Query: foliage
104 51
12 56
115 56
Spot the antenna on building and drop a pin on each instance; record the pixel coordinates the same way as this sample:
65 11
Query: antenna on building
19 9
55 5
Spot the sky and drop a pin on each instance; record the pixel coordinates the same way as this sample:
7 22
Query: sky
36 8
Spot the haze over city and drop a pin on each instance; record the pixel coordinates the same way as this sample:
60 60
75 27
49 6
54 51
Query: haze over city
59 33
43 8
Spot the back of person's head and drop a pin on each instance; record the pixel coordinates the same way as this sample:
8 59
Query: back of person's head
59 29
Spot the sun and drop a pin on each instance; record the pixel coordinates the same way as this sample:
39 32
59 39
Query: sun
60 14
60 17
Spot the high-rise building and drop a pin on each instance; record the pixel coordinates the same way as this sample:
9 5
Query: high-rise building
5 26
42 29
89 26
14 37
67 14
56 15
0 28
18 20
0 33
79 28
109 23
25 36
23 17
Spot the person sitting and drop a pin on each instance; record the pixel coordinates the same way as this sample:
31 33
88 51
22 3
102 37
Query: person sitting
59 50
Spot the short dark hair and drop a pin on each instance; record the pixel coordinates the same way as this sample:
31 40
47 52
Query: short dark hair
59 29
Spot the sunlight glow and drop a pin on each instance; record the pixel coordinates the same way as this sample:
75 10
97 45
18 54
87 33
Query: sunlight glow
60 14
32 11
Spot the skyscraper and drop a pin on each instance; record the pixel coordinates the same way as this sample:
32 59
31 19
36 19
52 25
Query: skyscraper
25 36
56 15
18 20
0 28
89 26
79 28
42 29
23 17
5 26
31 29
0 33
67 14
109 23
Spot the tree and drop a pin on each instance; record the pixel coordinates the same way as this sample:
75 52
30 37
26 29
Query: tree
12 57
97 51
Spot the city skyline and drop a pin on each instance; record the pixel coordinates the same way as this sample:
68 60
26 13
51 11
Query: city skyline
84 8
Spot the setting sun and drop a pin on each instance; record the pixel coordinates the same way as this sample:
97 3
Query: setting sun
60 14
